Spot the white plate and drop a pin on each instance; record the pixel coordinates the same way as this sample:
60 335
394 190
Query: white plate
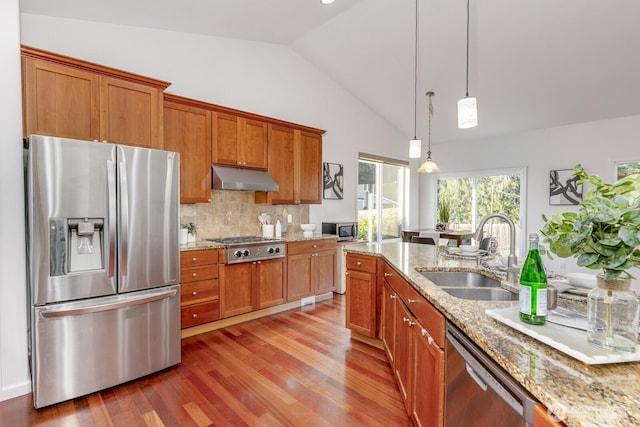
582 280
458 252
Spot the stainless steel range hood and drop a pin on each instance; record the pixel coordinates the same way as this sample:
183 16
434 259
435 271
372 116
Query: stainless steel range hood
228 178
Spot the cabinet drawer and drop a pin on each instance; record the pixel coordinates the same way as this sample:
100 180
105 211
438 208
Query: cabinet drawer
362 263
198 314
423 310
310 246
197 292
198 258
197 274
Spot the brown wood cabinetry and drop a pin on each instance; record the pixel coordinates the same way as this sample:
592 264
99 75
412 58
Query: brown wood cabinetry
71 98
311 267
543 418
295 162
362 294
239 141
199 287
414 342
187 130
249 286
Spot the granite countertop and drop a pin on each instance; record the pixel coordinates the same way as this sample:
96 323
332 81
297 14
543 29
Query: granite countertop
577 393
288 237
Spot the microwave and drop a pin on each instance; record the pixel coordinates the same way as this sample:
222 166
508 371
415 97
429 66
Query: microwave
344 230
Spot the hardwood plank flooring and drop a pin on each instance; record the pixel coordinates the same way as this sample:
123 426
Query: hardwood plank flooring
297 368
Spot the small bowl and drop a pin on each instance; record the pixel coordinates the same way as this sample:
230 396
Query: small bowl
308 227
469 248
582 280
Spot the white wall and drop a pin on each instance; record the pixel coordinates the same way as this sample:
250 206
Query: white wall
14 374
595 145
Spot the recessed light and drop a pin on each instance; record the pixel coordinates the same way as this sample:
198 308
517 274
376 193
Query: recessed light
327 1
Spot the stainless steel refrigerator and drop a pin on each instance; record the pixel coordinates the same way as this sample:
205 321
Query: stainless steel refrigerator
103 259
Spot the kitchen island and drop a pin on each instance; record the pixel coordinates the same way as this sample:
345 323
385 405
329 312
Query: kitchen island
577 393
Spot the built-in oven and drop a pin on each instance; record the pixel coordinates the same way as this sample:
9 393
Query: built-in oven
478 392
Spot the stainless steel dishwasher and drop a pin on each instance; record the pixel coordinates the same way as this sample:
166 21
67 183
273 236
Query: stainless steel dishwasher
478 392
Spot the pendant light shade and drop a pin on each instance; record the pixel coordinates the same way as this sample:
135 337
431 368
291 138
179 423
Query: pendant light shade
467 106
415 148
467 112
415 145
429 166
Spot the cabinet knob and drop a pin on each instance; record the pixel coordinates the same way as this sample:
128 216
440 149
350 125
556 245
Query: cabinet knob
388 274
412 301
314 246
194 293
358 263
194 274
346 273
194 316
259 262
392 297
194 259
408 321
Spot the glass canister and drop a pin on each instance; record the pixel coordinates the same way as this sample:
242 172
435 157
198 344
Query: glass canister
612 314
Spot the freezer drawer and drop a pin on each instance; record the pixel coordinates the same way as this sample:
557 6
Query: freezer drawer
86 346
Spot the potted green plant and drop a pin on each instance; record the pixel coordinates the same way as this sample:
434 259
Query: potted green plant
191 231
443 214
604 234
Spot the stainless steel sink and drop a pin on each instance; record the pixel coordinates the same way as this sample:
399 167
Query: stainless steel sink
460 279
482 294
470 285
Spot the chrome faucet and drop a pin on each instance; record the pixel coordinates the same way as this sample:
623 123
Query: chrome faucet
512 260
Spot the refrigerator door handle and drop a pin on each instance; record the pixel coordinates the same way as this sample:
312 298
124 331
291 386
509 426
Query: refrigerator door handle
111 221
129 302
124 222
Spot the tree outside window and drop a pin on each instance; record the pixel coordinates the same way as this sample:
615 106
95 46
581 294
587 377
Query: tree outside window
472 197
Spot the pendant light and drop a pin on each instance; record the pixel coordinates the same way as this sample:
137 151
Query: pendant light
467 106
429 166
415 145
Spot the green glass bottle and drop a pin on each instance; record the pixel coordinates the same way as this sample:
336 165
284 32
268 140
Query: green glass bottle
533 286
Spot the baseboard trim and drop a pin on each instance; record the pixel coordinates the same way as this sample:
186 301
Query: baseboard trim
223 323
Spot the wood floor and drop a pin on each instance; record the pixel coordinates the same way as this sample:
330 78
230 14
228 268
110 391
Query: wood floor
297 368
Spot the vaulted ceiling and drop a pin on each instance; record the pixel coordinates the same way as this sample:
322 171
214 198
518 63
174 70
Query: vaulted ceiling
532 63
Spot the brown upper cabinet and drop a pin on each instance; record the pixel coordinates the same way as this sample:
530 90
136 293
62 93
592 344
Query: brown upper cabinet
71 98
302 149
187 130
239 141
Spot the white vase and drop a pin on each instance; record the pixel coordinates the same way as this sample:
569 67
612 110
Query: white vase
191 238
183 236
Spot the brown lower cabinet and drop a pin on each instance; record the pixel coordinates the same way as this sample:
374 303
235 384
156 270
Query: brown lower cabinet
199 287
250 286
311 268
412 332
362 294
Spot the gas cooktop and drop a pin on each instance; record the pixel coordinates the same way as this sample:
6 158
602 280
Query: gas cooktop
250 248
239 240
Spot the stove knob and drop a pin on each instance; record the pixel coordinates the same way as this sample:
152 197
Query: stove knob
246 252
237 254
277 250
271 250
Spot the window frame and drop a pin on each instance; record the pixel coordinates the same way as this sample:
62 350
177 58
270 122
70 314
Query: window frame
522 171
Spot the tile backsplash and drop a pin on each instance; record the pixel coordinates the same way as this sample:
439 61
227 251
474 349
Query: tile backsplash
235 213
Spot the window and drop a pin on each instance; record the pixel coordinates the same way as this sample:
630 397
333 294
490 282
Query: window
625 168
471 197
383 185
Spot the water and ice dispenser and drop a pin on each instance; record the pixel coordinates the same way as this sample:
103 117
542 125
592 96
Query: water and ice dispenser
76 245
